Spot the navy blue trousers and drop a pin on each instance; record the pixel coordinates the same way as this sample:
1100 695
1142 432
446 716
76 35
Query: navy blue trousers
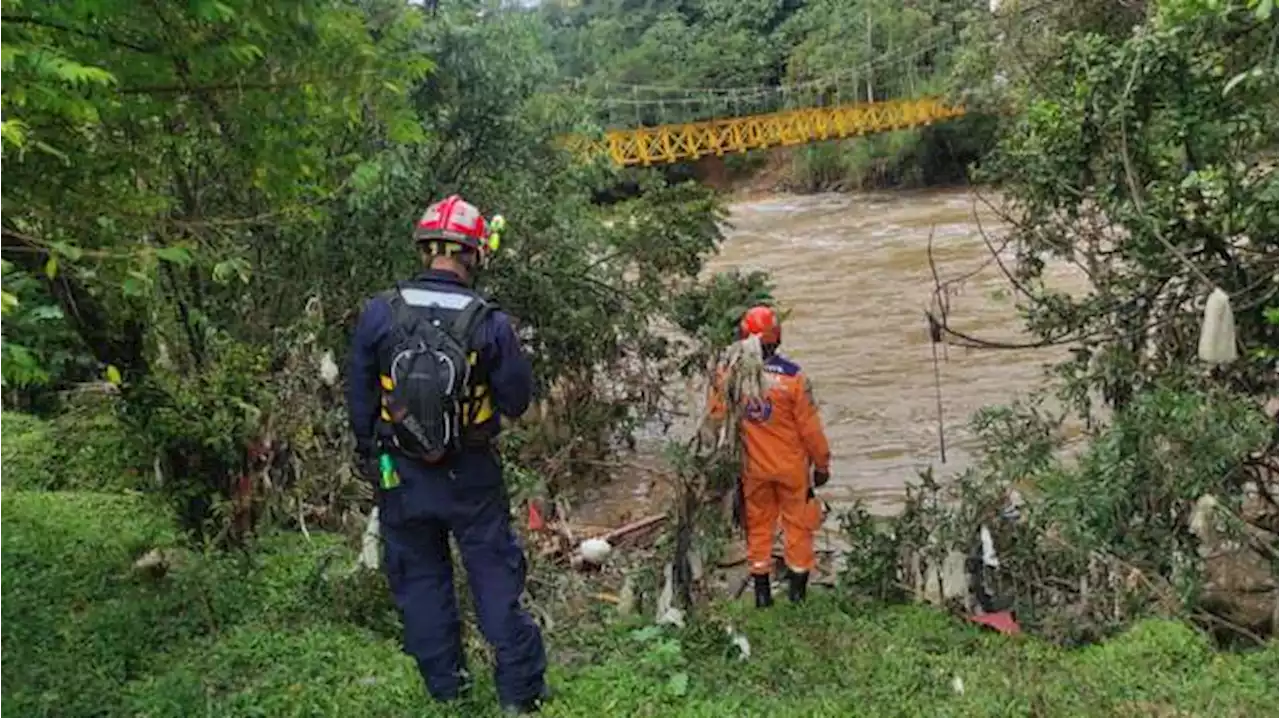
468 499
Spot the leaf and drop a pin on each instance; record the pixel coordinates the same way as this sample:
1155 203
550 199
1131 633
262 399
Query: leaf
133 287
113 375
234 268
646 634
21 367
1239 79
51 266
46 311
406 129
8 302
215 11
246 54
175 254
13 132
678 684
9 53
365 175
71 252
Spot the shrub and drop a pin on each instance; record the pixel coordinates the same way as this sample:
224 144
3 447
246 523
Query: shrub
84 448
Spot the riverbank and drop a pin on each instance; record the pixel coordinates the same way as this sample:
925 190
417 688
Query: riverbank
288 634
854 272
936 157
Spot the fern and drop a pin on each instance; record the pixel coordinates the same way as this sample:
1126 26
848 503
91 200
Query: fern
48 64
86 74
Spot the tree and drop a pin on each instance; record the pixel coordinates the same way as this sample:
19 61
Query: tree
1138 158
208 191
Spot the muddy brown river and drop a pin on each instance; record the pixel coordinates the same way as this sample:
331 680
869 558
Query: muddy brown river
853 272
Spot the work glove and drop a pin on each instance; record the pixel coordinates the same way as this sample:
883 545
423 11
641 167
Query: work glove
365 465
820 478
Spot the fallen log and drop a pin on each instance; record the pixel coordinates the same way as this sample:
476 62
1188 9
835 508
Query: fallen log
560 550
634 527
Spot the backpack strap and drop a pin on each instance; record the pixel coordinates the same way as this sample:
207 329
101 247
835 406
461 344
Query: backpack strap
463 330
465 323
403 319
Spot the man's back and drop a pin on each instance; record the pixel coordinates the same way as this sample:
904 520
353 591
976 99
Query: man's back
782 434
443 394
463 495
502 374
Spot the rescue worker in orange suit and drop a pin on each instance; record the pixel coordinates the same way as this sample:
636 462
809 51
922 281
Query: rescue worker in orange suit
463 494
785 456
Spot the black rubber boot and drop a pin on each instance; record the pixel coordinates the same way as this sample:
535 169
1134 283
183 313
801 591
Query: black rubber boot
799 586
529 707
764 590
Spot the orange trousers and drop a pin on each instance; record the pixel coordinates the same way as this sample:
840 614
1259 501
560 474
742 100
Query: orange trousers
767 501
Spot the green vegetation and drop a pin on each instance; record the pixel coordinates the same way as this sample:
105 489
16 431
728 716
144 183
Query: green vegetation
238 634
199 195
1141 151
83 448
676 61
197 203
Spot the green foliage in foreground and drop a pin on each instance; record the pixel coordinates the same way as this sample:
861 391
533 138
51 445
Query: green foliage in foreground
85 448
234 636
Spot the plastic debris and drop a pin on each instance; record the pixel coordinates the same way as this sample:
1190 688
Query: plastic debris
1218 330
536 522
667 613
328 369
989 557
740 641
1002 621
595 550
369 544
627 597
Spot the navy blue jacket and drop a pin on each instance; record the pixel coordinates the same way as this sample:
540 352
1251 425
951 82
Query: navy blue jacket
509 373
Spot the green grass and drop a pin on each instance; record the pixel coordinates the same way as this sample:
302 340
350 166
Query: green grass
85 448
281 632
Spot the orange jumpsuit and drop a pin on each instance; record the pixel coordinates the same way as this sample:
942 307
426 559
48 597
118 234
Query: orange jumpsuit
782 441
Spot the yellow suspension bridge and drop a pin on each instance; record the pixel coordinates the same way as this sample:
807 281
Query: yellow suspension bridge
894 92
664 144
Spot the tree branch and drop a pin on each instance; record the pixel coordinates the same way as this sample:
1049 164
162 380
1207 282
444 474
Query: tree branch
50 24
117 344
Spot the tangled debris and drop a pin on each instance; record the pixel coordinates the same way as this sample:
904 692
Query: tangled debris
1171 510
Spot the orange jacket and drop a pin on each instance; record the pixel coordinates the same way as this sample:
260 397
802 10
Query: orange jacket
782 436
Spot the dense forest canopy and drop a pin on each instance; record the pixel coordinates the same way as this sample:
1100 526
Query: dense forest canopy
723 44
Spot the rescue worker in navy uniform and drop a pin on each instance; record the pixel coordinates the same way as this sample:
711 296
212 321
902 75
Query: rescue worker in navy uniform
464 494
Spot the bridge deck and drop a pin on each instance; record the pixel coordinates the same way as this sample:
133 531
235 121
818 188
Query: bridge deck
681 142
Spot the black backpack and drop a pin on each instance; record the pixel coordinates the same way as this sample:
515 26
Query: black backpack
430 372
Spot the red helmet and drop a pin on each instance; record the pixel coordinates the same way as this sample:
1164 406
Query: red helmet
456 220
763 322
